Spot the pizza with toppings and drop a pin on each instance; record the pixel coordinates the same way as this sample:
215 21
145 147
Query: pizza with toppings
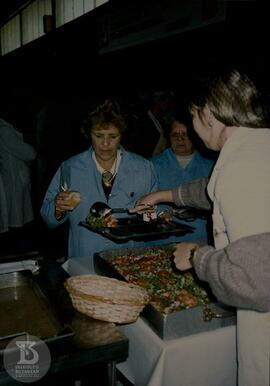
169 289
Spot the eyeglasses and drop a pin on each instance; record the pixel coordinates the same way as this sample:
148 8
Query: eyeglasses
179 135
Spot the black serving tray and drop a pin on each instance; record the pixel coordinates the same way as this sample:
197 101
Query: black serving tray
136 228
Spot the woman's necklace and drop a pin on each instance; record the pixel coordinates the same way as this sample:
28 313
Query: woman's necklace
109 175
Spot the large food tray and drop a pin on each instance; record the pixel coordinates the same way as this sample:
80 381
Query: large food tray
175 324
25 310
135 228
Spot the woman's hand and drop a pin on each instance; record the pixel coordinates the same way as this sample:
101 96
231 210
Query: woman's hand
166 216
143 206
147 202
64 202
182 255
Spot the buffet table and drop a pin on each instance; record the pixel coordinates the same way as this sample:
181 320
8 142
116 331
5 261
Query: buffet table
93 342
205 359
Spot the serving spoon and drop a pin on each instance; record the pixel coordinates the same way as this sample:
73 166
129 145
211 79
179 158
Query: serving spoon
100 209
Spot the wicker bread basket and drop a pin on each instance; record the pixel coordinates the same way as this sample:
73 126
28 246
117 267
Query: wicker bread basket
106 299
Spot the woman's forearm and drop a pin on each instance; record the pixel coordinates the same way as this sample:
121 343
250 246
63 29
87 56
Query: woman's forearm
192 194
239 275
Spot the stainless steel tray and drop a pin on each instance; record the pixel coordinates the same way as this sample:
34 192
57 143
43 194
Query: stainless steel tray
26 310
134 228
176 324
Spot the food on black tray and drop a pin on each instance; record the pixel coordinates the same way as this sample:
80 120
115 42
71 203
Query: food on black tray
169 289
101 222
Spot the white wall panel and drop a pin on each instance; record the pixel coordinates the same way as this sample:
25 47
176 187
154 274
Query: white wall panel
68 10
47 7
35 20
27 27
10 35
59 13
41 8
32 20
15 32
89 5
77 8
100 2
44 8
4 41
41 12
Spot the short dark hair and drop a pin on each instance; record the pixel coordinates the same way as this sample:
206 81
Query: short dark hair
102 115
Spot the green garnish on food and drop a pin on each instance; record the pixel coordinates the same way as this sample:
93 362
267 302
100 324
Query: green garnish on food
95 222
169 290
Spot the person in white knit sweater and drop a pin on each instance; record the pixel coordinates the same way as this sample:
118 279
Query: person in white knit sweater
229 116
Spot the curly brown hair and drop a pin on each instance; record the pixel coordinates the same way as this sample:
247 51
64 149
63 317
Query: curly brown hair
102 115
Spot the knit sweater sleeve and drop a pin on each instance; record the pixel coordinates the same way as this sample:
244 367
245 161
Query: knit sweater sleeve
192 194
239 275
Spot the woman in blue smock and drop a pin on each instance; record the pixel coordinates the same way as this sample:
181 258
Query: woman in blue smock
181 164
105 172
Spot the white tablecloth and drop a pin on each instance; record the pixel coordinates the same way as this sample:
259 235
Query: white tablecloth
204 359
79 266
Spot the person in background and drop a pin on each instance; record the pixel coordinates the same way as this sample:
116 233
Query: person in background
105 172
149 124
180 164
54 141
162 103
230 117
15 163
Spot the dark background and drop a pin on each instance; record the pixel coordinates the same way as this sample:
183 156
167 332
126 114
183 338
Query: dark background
66 70
67 62
65 66
68 58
